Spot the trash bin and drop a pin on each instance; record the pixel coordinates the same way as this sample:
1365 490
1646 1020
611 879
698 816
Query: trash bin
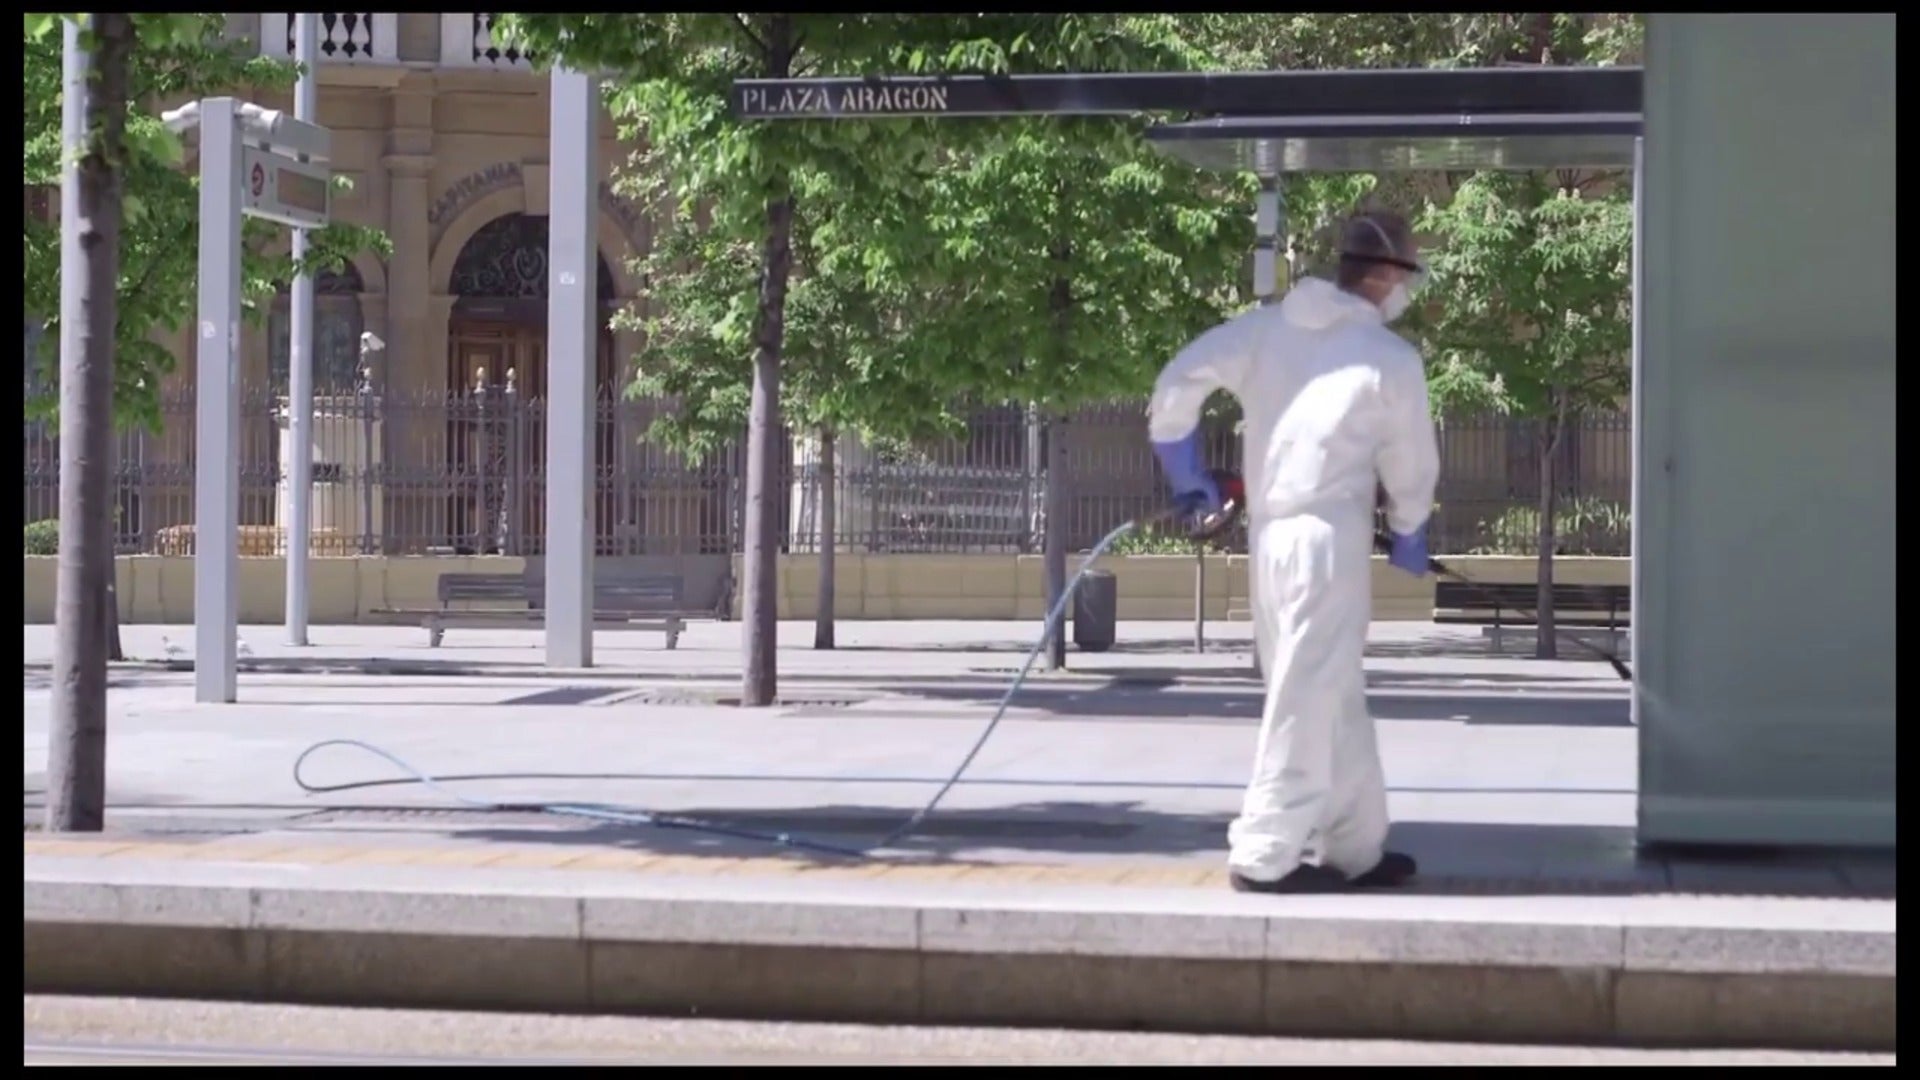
1096 606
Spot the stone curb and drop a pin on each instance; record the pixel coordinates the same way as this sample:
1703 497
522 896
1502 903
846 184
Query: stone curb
1782 974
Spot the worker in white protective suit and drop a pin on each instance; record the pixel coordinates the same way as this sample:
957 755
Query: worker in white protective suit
1335 408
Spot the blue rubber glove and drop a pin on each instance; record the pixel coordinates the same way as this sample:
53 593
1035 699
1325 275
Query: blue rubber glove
1409 552
1193 489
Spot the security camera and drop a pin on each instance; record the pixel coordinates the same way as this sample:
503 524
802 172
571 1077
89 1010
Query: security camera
183 119
370 342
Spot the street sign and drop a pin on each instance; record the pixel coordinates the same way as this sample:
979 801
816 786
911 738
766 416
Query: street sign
281 189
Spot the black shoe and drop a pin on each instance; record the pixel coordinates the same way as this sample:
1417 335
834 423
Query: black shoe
1304 879
1392 870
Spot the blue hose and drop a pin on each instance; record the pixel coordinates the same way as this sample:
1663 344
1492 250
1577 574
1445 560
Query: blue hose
636 816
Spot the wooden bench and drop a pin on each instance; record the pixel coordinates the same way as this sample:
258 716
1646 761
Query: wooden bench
1506 605
628 601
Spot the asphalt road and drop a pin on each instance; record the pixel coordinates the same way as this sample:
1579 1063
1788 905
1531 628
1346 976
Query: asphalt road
126 1031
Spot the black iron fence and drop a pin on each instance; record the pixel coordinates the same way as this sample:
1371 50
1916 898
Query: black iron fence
464 472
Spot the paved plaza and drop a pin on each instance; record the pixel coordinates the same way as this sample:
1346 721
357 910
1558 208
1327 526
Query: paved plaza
1503 772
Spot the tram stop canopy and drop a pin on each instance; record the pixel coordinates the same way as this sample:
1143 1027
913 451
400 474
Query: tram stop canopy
1275 122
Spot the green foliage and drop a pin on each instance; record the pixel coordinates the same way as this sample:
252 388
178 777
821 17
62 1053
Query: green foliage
1529 311
1052 260
176 58
1163 542
1064 263
839 365
1582 526
933 261
1379 39
43 537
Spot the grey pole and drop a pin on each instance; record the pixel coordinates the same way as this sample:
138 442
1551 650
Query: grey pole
1200 600
216 487
1266 242
299 524
1269 227
1637 466
571 352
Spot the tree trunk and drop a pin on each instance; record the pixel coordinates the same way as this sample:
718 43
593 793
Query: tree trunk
77 749
114 652
1031 499
760 671
829 541
1536 38
1055 542
1060 310
1546 644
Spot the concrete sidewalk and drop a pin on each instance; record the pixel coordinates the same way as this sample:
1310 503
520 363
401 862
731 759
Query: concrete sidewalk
1484 780
1073 876
949 943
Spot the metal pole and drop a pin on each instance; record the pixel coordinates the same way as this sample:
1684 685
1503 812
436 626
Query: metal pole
369 472
1635 316
1054 543
1266 241
1269 226
571 352
216 480
299 523
1200 600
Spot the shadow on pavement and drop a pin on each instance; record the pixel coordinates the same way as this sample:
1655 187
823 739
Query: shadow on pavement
1207 705
117 679
1436 680
1114 694
663 664
1453 645
1455 858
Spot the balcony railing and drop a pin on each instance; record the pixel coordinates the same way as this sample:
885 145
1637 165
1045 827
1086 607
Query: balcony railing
344 38
466 40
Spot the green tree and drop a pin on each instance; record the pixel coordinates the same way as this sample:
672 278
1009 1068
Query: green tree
1063 263
839 371
1529 314
174 58
671 78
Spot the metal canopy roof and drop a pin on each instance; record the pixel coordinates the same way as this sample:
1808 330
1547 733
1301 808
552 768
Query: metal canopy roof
1280 121
1273 145
1365 92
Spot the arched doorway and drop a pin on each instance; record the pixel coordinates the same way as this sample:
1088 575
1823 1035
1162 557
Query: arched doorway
497 380
499 321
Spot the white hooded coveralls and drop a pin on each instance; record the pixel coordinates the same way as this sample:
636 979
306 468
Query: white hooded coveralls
1332 400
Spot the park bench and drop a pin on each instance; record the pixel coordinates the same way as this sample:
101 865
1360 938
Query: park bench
624 601
1507 605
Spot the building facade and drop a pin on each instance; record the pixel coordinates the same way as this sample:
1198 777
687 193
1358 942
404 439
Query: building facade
443 134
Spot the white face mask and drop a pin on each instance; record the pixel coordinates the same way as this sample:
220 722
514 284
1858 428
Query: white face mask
1396 302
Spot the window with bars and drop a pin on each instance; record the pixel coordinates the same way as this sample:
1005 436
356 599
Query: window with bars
337 323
